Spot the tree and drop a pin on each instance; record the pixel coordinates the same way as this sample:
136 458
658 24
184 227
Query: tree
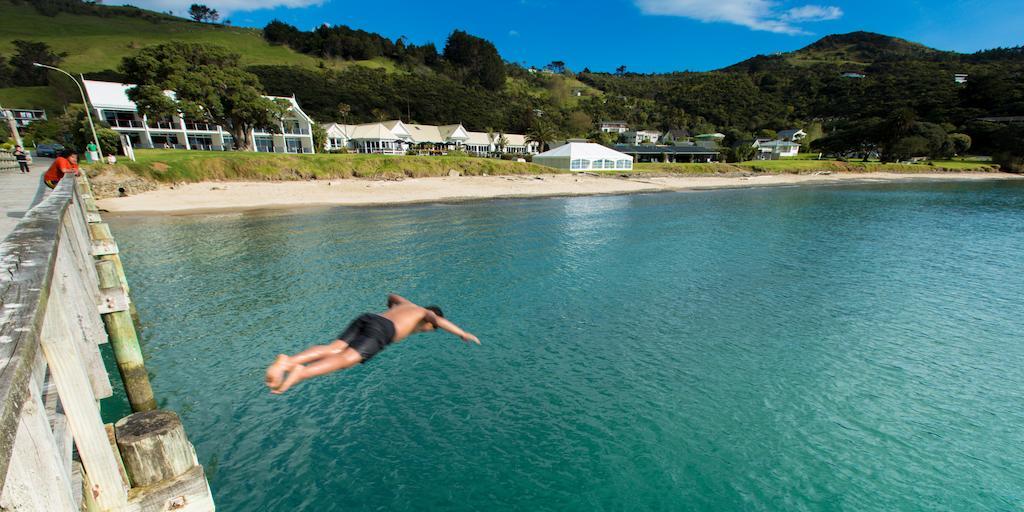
541 133
475 60
208 84
556 66
23 73
319 137
621 70
958 143
908 147
741 152
201 13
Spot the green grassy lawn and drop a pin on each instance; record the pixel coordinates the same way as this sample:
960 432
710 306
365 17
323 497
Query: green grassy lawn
796 166
708 169
170 166
95 43
41 97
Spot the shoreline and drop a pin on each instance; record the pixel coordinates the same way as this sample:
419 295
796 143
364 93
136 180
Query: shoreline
231 197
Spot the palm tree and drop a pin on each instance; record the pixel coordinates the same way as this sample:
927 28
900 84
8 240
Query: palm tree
344 109
490 138
541 133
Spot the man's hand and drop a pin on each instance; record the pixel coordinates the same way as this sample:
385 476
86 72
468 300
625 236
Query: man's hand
469 337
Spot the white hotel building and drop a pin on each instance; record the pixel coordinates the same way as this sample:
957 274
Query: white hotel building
111 104
397 138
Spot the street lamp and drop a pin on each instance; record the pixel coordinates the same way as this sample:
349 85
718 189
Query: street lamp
88 113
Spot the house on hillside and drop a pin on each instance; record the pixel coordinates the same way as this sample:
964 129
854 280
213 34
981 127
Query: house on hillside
768 149
709 140
1003 119
853 74
110 102
613 126
675 136
640 136
960 78
22 116
794 135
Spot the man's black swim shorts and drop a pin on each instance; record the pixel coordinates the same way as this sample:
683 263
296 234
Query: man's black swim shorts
368 334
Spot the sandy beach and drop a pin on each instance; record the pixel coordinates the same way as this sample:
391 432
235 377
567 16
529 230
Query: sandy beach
208 197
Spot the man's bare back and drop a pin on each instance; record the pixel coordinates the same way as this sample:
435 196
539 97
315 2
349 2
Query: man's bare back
364 338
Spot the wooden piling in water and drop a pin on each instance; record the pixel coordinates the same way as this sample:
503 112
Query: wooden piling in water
124 339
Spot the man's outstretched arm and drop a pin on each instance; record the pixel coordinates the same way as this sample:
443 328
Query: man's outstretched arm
395 299
443 323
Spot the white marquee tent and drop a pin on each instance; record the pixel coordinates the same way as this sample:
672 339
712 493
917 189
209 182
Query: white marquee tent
585 156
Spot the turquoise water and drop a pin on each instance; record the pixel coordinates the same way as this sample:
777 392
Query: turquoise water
814 348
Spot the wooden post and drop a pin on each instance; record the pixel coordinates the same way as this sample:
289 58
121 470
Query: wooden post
125 341
154 447
105 248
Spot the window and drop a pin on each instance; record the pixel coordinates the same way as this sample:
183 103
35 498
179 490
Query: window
265 144
604 164
580 164
623 164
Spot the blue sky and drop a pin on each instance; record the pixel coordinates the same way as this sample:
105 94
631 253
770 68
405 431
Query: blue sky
644 35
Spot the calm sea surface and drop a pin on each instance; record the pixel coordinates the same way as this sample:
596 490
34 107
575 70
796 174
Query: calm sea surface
815 348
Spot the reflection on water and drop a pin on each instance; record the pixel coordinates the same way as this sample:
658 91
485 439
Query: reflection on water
852 348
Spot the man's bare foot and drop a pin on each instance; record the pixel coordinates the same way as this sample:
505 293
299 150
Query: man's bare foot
297 375
275 372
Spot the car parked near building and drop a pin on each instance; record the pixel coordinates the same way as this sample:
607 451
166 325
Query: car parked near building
49 150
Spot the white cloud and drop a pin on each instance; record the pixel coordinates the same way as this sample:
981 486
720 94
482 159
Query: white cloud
513 33
813 13
224 7
763 15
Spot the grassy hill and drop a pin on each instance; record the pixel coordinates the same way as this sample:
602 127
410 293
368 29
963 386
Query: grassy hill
95 43
852 50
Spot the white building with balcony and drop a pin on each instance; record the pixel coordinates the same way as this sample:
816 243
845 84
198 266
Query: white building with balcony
397 138
23 116
613 126
640 136
111 104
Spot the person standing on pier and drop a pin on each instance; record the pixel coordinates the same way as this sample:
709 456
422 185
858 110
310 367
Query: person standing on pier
23 158
367 335
66 163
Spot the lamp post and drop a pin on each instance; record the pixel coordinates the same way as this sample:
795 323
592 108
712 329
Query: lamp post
88 113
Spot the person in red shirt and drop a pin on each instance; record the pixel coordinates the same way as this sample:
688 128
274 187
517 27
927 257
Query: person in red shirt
66 163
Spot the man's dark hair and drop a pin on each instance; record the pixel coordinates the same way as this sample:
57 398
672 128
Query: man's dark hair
66 153
437 311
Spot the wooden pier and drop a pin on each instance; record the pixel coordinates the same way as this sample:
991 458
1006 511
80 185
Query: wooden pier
62 294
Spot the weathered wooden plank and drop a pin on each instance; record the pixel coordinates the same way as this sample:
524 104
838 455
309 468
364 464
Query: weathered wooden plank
113 300
62 354
82 244
36 479
75 226
62 437
186 493
27 256
112 439
80 311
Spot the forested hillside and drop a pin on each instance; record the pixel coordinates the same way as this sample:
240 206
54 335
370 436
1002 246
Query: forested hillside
844 82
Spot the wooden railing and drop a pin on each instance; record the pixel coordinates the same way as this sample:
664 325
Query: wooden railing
7 161
52 377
